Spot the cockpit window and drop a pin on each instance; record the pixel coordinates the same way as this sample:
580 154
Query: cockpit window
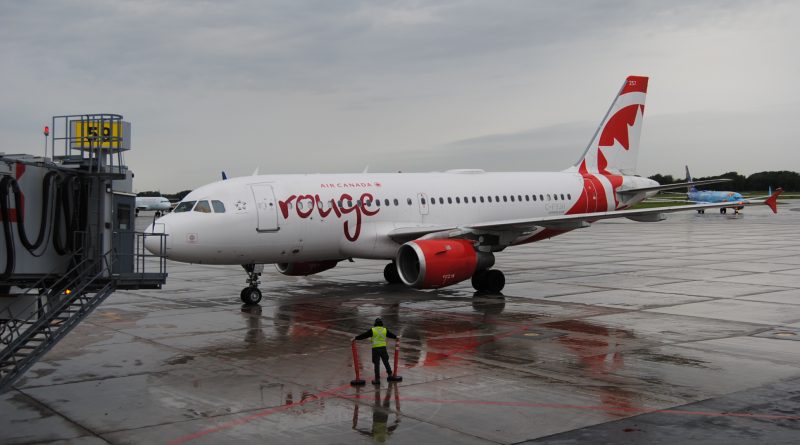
185 206
219 207
203 207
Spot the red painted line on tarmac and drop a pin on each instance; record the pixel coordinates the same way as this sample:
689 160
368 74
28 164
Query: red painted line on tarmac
607 409
250 418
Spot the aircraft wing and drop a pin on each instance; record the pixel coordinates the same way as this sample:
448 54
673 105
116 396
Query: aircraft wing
678 185
576 221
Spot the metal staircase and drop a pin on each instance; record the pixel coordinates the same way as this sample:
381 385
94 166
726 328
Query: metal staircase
28 333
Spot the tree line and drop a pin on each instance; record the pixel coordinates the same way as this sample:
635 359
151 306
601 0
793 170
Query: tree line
761 181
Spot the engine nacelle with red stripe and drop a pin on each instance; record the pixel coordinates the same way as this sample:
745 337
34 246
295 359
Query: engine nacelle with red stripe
431 264
305 268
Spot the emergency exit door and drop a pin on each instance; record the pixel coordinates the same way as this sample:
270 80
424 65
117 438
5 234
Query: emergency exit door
423 203
266 207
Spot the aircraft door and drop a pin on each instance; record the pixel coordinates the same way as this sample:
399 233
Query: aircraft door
266 207
123 235
423 203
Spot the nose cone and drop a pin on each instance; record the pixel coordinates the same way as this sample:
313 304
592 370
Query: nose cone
156 238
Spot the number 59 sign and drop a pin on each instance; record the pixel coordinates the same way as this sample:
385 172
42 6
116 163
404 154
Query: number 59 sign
86 134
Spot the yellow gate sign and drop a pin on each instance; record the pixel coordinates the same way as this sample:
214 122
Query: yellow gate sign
87 134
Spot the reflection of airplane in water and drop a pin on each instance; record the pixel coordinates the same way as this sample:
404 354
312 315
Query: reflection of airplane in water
434 229
489 333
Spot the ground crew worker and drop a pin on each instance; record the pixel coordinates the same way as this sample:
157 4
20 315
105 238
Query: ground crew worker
379 335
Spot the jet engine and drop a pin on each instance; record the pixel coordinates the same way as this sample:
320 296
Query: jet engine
430 264
305 268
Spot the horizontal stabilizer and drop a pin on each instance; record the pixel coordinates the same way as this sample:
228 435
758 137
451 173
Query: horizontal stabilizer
671 186
772 201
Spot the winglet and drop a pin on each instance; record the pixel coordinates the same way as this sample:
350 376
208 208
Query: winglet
772 201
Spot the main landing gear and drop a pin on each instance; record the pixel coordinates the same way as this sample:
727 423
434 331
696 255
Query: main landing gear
490 280
251 295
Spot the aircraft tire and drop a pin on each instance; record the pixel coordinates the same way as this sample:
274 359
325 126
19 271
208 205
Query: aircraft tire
494 281
390 274
479 281
723 210
250 296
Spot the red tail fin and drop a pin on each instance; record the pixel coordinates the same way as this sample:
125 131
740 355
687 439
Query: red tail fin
772 201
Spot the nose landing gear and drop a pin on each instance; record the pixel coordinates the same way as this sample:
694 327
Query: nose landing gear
251 295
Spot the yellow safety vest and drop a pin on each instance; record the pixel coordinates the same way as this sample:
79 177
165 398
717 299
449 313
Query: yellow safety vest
378 336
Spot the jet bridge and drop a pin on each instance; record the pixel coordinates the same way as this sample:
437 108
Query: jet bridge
68 236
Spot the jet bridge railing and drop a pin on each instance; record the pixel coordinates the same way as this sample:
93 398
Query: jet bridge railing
14 320
29 333
134 266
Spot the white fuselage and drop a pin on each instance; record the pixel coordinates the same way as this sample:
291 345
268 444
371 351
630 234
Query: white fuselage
297 218
152 203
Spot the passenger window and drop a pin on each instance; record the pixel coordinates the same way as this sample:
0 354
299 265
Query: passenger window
474 200
505 198
396 202
562 196
481 198
441 200
568 196
386 202
466 200
184 206
555 197
458 200
422 200
496 198
202 207
378 202
408 200
489 198
534 198
219 207
548 197
541 197
449 200
519 198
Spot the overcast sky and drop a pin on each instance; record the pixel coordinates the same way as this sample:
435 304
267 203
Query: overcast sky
334 86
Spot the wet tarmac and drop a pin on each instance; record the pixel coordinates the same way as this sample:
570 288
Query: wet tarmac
687 330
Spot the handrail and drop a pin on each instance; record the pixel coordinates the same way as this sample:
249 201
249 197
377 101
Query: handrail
73 278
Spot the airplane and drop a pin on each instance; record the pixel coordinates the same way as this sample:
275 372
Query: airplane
158 203
435 229
712 196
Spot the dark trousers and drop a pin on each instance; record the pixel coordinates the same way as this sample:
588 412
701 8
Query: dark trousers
379 354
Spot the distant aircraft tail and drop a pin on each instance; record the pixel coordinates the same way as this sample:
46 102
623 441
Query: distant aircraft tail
690 188
614 147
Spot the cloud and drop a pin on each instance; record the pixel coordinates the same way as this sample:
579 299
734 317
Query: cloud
299 86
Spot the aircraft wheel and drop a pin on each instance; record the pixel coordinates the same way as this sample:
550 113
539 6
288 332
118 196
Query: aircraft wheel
390 274
723 210
250 295
479 281
495 280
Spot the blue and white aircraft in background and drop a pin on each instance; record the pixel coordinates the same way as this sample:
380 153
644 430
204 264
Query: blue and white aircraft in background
712 196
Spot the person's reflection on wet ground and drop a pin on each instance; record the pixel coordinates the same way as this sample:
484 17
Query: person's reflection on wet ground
380 430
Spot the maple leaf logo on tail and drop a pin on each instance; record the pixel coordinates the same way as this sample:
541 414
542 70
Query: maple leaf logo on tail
614 148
